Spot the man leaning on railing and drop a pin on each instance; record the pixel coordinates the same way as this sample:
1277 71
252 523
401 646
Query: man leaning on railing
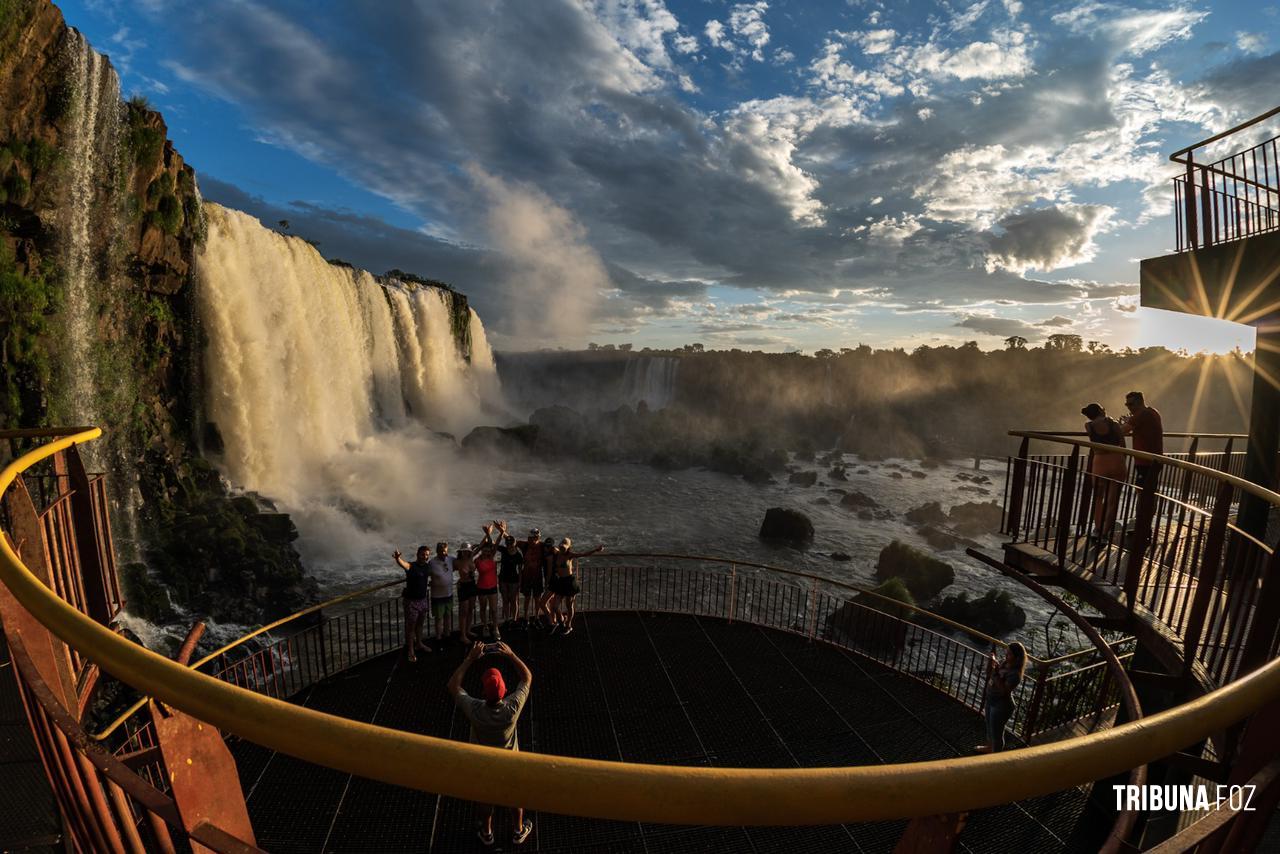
1147 429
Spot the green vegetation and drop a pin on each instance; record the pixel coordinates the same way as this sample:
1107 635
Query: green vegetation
893 588
25 305
167 215
394 273
14 15
143 142
924 575
61 96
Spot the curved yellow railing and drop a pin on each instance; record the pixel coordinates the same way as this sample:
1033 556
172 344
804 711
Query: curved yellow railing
630 792
245 638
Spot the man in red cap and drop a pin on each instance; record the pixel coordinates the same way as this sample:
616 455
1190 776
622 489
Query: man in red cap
493 720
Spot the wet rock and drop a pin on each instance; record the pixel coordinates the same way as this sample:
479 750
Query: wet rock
861 621
924 575
840 556
994 612
824 501
804 478
858 499
919 475
930 513
975 518
896 475
838 473
502 440
781 523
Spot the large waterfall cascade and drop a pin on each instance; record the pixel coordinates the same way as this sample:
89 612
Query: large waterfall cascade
651 379
92 214
329 386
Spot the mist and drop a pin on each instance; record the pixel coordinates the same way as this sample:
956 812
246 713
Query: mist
554 278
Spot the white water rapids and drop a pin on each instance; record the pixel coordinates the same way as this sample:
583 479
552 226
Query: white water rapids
328 388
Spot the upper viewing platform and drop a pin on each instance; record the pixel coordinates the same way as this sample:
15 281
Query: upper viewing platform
1226 207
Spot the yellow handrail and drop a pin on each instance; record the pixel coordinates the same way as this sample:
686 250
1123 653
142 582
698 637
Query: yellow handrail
623 791
328 603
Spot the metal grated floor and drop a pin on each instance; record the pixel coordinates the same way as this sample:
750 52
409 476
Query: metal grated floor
28 814
661 688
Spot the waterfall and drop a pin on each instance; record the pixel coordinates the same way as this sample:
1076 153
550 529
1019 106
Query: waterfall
651 379
91 213
328 385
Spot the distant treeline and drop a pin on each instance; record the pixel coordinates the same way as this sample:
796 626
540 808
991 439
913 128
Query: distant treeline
932 401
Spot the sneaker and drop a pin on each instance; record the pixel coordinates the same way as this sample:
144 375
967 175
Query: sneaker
497 635
568 630
485 837
522 833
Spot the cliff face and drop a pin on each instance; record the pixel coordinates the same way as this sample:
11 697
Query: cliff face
100 221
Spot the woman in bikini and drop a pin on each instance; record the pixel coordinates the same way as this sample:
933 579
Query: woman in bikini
1107 469
565 581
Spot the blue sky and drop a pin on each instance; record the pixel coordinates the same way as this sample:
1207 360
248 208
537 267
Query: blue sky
769 175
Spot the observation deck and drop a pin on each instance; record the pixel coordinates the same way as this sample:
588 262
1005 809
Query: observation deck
701 703
652 687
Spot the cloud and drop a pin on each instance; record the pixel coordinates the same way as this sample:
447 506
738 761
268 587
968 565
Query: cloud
559 276
1056 321
876 181
744 34
1254 43
1003 327
1047 238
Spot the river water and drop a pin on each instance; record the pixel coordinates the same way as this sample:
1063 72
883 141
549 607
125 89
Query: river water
637 508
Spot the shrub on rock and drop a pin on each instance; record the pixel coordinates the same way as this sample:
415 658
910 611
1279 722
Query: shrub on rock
923 574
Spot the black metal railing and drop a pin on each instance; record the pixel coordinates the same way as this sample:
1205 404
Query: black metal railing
1230 198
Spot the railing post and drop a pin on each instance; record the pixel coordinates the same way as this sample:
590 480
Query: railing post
1185 492
813 608
733 591
1065 516
1037 699
1206 575
1141 536
1266 614
1192 237
1016 488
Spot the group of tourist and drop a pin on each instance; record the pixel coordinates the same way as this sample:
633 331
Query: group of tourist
541 571
490 578
1109 469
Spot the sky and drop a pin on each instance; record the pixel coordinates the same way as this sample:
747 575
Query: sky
777 174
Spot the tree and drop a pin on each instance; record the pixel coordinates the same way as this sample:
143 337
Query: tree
1066 342
284 224
1098 348
823 354
625 348
1015 342
593 346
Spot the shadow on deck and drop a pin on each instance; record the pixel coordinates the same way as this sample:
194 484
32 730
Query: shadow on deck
657 688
